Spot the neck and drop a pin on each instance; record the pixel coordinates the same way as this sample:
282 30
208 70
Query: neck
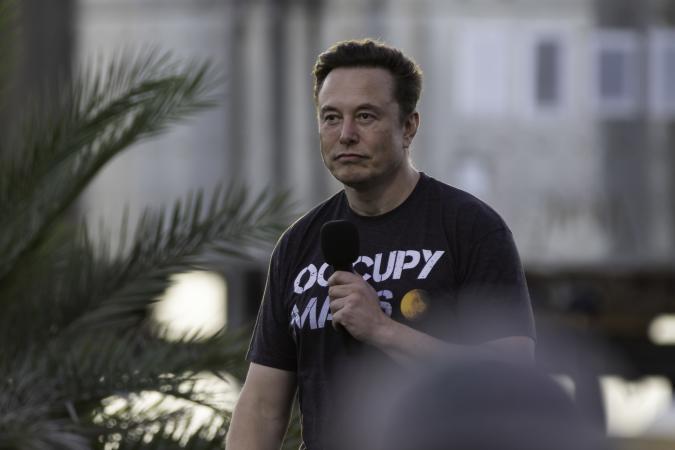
380 198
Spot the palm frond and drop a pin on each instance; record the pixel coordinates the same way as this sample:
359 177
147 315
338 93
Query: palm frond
91 122
67 385
45 434
162 248
32 414
166 408
74 332
83 286
171 435
34 311
110 365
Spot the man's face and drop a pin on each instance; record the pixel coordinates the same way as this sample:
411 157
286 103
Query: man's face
363 142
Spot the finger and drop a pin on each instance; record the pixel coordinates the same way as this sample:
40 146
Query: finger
336 324
342 277
339 291
336 305
337 319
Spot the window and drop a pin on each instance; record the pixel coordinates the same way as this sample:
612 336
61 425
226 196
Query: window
547 71
547 67
616 73
483 68
662 73
613 77
668 78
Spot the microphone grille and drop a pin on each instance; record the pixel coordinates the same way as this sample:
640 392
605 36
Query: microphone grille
340 243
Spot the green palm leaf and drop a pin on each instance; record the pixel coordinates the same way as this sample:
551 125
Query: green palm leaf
162 248
74 324
67 142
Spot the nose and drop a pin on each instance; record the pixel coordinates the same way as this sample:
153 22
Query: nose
348 133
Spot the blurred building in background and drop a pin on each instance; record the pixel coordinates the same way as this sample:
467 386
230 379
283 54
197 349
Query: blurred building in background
555 112
559 113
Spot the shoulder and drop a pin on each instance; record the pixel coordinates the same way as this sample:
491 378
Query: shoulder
467 214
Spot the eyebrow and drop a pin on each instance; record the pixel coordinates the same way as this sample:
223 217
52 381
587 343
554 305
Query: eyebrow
369 106
329 108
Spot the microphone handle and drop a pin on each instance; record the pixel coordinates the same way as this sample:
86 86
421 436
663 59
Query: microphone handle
347 339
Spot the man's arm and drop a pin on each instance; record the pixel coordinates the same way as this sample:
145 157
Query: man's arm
355 305
407 345
260 418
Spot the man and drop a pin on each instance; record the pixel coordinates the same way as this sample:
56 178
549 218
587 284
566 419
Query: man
432 260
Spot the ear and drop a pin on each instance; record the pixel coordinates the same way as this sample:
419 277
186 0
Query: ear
410 126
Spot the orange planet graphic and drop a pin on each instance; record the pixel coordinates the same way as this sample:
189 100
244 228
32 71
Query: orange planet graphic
414 304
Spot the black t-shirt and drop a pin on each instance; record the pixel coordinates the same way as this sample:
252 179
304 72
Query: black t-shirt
442 262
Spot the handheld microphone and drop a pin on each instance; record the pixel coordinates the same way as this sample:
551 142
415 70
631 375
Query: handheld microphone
340 248
340 244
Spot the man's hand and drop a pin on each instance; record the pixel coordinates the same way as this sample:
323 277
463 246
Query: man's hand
355 305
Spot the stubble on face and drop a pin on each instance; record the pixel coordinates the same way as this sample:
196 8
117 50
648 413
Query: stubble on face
359 127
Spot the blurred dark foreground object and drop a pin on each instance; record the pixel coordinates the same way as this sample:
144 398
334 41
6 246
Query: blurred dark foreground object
482 405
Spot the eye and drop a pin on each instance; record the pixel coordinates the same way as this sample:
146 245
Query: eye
365 116
330 118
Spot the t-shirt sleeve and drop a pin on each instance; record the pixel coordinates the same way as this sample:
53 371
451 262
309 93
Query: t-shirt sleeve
272 343
493 300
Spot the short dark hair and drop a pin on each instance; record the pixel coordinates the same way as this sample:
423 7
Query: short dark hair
371 53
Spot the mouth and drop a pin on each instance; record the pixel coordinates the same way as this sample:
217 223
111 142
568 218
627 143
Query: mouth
348 157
